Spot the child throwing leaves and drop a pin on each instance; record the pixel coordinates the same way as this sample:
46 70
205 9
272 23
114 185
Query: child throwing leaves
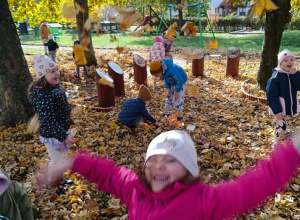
157 52
79 58
281 91
133 111
168 186
175 82
51 105
14 202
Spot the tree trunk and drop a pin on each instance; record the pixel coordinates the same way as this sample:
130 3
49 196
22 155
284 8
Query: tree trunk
180 19
14 73
82 33
275 23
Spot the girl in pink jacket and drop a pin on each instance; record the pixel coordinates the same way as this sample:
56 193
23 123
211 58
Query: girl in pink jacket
157 52
168 187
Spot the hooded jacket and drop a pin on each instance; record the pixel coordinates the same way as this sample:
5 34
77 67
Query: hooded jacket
173 75
281 92
196 200
52 45
14 202
131 110
79 55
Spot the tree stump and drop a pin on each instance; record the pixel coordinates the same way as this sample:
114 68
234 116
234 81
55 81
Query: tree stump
233 60
139 69
106 93
117 74
198 66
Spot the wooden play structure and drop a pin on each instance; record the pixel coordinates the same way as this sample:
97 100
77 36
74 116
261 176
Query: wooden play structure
201 10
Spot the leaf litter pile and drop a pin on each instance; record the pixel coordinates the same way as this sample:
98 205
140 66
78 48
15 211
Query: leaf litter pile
231 133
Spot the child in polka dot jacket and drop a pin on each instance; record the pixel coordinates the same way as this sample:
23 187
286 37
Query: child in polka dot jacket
51 105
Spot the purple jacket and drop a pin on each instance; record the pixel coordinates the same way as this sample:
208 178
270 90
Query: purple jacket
195 200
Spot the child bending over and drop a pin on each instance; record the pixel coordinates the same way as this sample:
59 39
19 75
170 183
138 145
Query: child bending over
133 111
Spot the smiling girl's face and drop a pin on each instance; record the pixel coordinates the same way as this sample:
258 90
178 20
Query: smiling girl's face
162 170
52 77
287 63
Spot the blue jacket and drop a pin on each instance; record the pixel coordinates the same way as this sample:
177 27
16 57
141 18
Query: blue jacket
132 110
282 92
174 75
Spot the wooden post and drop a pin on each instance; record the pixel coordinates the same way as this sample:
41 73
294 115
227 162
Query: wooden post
117 74
106 93
198 66
139 69
233 60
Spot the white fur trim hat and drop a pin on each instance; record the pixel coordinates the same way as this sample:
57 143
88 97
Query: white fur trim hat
42 65
283 54
177 144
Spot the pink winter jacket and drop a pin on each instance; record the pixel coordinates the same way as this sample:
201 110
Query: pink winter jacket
196 200
157 51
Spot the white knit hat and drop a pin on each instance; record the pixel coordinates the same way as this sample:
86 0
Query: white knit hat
283 54
50 37
42 65
177 144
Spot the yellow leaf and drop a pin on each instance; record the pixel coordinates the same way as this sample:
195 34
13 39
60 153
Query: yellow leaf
101 149
112 125
87 24
192 90
31 194
259 6
69 12
103 81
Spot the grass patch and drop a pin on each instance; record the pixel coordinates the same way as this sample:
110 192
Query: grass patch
246 42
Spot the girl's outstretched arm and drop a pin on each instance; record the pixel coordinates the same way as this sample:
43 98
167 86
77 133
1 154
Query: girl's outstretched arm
235 197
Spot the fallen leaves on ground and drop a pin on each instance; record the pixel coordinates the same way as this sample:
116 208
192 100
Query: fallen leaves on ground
239 129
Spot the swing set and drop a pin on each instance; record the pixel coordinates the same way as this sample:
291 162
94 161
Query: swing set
200 6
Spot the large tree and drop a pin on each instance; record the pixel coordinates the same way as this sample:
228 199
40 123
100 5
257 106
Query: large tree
14 73
84 34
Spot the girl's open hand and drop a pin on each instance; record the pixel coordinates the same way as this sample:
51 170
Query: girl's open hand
176 95
293 70
280 115
69 140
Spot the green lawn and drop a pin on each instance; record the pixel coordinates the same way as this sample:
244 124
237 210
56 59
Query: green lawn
246 42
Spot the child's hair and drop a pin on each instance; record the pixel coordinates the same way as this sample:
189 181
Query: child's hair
50 37
41 83
76 42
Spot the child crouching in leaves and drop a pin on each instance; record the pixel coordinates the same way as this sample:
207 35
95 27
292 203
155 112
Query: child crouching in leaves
14 202
168 185
52 107
133 111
